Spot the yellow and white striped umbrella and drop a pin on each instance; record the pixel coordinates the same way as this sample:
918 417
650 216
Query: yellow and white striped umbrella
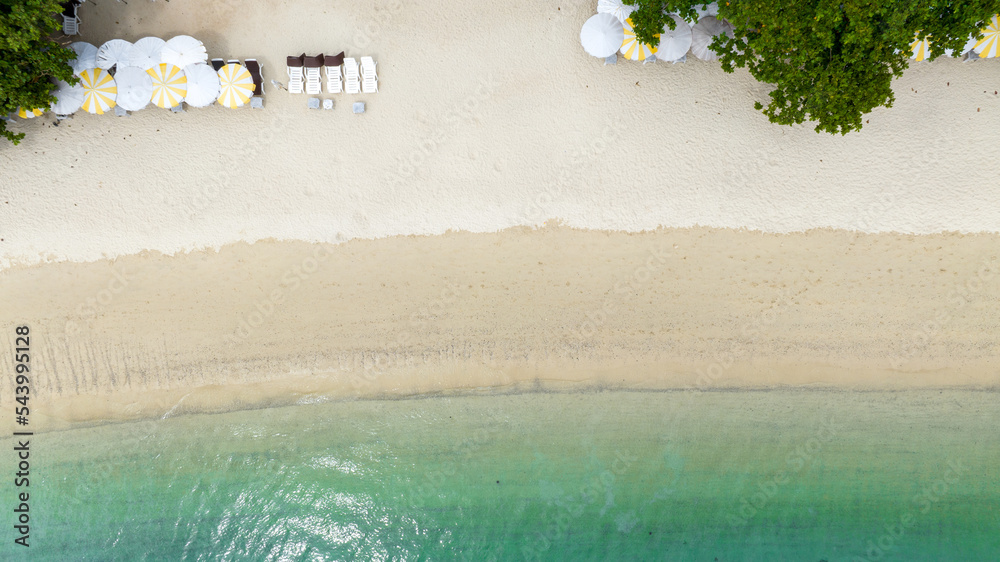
29 113
169 85
235 85
920 49
632 48
99 90
989 45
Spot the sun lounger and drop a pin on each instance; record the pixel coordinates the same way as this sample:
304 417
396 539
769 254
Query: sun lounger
369 78
217 64
257 73
233 61
71 21
296 78
352 77
334 77
313 67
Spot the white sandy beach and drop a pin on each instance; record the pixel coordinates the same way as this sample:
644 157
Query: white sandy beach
396 254
487 118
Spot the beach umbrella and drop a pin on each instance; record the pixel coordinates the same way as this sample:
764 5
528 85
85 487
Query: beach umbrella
969 46
632 48
920 49
183 50
135 88
674 43
29 113
704 32
602 35
615 8
114 52
235 85
86 56
99 90
69 99
169 85
709 10
145 53
202 85
988 46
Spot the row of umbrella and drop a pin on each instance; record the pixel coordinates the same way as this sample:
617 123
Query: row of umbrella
151 70
604 34
610 31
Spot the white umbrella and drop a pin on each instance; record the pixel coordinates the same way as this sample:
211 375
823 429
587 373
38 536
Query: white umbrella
969 45
145 53
183 50
704 32
674 43
202 85
112 53
169 85
69 99
602 35
710 10
135 87
615 8
235 84
86 56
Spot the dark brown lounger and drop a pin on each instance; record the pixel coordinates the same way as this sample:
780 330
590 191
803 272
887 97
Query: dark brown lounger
255 72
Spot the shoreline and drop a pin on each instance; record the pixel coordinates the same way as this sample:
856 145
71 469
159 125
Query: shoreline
553 308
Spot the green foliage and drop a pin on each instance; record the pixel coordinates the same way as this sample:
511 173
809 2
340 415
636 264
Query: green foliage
29 58
831 61
651 17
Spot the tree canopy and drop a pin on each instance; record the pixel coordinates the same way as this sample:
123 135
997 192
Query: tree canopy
29 57
830 61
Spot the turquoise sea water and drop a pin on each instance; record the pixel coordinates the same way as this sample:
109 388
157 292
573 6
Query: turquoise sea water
802 475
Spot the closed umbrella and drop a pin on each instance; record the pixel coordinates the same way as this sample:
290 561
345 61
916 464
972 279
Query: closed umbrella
602 35
632 48
99 90
615 8
202 85
674 43
704 32
235 85
112 53
183 50
169 85
988 46
135 88
146 52
69 99
86 56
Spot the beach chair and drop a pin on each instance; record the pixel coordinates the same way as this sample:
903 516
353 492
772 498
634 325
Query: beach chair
257 73
296 78
71 21
233 61
369 77
313 68
334 78
217 64
352 78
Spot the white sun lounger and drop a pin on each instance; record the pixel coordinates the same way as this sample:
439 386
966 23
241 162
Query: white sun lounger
71 23
296 76
352 77
313 70
369 78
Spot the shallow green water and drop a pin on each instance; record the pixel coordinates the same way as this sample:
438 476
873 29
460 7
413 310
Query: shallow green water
624 476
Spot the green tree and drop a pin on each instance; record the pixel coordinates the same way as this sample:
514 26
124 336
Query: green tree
832 61
29 58
650 17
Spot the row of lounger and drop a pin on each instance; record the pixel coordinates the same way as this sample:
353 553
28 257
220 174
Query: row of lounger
343 74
